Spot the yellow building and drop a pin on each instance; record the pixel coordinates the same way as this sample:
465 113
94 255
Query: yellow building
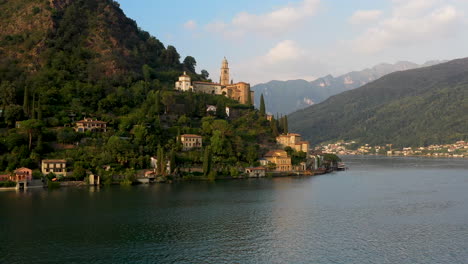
191 141
238 91
294 141
89 124
58 167
280 158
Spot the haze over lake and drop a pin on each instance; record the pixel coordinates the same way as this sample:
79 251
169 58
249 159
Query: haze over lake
382 210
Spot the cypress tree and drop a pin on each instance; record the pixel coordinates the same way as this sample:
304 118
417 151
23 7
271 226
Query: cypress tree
274 127
207 161
26 101
262 106
33 110
286 128
249 98
161 164
157 103
172 160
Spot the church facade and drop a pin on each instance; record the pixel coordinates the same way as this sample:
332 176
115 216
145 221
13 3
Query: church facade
238 91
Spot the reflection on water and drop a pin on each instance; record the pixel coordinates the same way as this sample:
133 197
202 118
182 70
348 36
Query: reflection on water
382 210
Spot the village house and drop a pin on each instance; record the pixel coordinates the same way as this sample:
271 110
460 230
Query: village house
238 91
22 174
190 141
293 141
4 177
58 167
89 124
280 158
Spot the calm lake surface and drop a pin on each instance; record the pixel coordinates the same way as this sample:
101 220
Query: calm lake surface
382 210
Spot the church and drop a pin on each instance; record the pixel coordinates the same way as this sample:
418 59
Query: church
238 91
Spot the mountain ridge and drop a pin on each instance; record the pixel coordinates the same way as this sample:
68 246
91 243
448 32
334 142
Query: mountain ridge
407 108
297 94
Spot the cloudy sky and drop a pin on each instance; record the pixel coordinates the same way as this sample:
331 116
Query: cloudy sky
304 39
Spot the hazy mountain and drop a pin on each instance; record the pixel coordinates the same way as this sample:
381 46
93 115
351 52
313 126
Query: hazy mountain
415 107
288 96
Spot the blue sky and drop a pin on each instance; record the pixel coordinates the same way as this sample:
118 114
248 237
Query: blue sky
304 39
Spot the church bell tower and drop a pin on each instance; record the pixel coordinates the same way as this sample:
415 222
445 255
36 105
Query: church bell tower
224 72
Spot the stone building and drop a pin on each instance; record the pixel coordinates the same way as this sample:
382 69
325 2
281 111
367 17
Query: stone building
294 141
190 141
238 91
280 158
58 167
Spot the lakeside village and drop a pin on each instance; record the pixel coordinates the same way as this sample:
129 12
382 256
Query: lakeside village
458 149
192 156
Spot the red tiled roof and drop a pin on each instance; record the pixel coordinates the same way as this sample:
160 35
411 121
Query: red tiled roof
207 83
256 168
191 135
22 169
276 153
54 161
92 122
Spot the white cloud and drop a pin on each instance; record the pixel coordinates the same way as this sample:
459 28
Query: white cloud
190 25
365 16
276 22
413 22
287 60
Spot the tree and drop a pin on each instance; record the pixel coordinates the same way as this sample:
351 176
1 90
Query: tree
172 160
220 109
26 101
160 163
274 127
32 127
168 100
146 72
252 154
249 97
13 113
205 74
170 56
262 106
7 93
207 161
285 126
190 63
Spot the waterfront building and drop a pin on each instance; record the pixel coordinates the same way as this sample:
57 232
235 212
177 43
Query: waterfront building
280 158
58 167
22 174
238 91
190 141
293 141
255 172
89 124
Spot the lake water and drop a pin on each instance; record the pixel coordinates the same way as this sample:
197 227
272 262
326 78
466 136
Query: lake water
382 210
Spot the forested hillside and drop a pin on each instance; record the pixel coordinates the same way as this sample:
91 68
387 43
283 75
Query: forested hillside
409 108
62 61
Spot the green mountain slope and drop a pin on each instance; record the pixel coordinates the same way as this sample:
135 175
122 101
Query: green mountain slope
409 108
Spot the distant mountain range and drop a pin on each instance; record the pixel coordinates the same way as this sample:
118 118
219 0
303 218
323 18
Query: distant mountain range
288 96
408 108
